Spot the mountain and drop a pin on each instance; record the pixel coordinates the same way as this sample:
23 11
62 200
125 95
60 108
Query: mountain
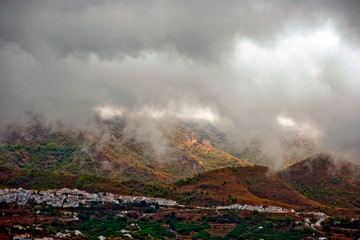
107 148
325 180
156 152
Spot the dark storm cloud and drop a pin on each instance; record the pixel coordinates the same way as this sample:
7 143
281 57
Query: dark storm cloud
247 61
196 29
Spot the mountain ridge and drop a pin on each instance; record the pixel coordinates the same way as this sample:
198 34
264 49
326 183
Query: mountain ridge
111 148
114 154
255 185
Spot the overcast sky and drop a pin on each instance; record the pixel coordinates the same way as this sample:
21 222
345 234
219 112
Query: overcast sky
266 68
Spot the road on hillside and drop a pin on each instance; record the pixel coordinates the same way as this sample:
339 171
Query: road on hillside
318 223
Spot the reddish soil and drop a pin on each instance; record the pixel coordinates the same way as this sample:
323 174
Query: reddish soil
243 185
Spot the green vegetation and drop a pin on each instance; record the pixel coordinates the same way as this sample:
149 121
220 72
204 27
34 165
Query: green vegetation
101 220
341 222
186 197
185 228
111 220
153 190
153 229
334 193
186 181
256 226
49 180
48 156
237 231
39 180
205 236
326 181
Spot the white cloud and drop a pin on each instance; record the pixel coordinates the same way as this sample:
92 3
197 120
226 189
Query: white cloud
109 112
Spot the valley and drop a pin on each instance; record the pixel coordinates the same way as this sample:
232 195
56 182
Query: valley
36 214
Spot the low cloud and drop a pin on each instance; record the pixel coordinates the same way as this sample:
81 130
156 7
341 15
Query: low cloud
239 65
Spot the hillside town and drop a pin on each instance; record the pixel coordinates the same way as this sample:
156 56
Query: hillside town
65 198
272 209
259 208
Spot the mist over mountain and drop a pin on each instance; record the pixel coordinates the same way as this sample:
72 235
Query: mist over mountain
125 150
258 70
165 119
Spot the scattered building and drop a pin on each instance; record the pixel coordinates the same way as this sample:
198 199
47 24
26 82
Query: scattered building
259 208
72 198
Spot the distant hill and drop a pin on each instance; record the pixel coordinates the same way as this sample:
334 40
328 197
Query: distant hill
323 179
311 184
110 152
241 185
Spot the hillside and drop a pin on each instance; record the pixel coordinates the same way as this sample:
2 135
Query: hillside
313 184
250 185
324 180
243 185
40 180
48 180
111 151
163 153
